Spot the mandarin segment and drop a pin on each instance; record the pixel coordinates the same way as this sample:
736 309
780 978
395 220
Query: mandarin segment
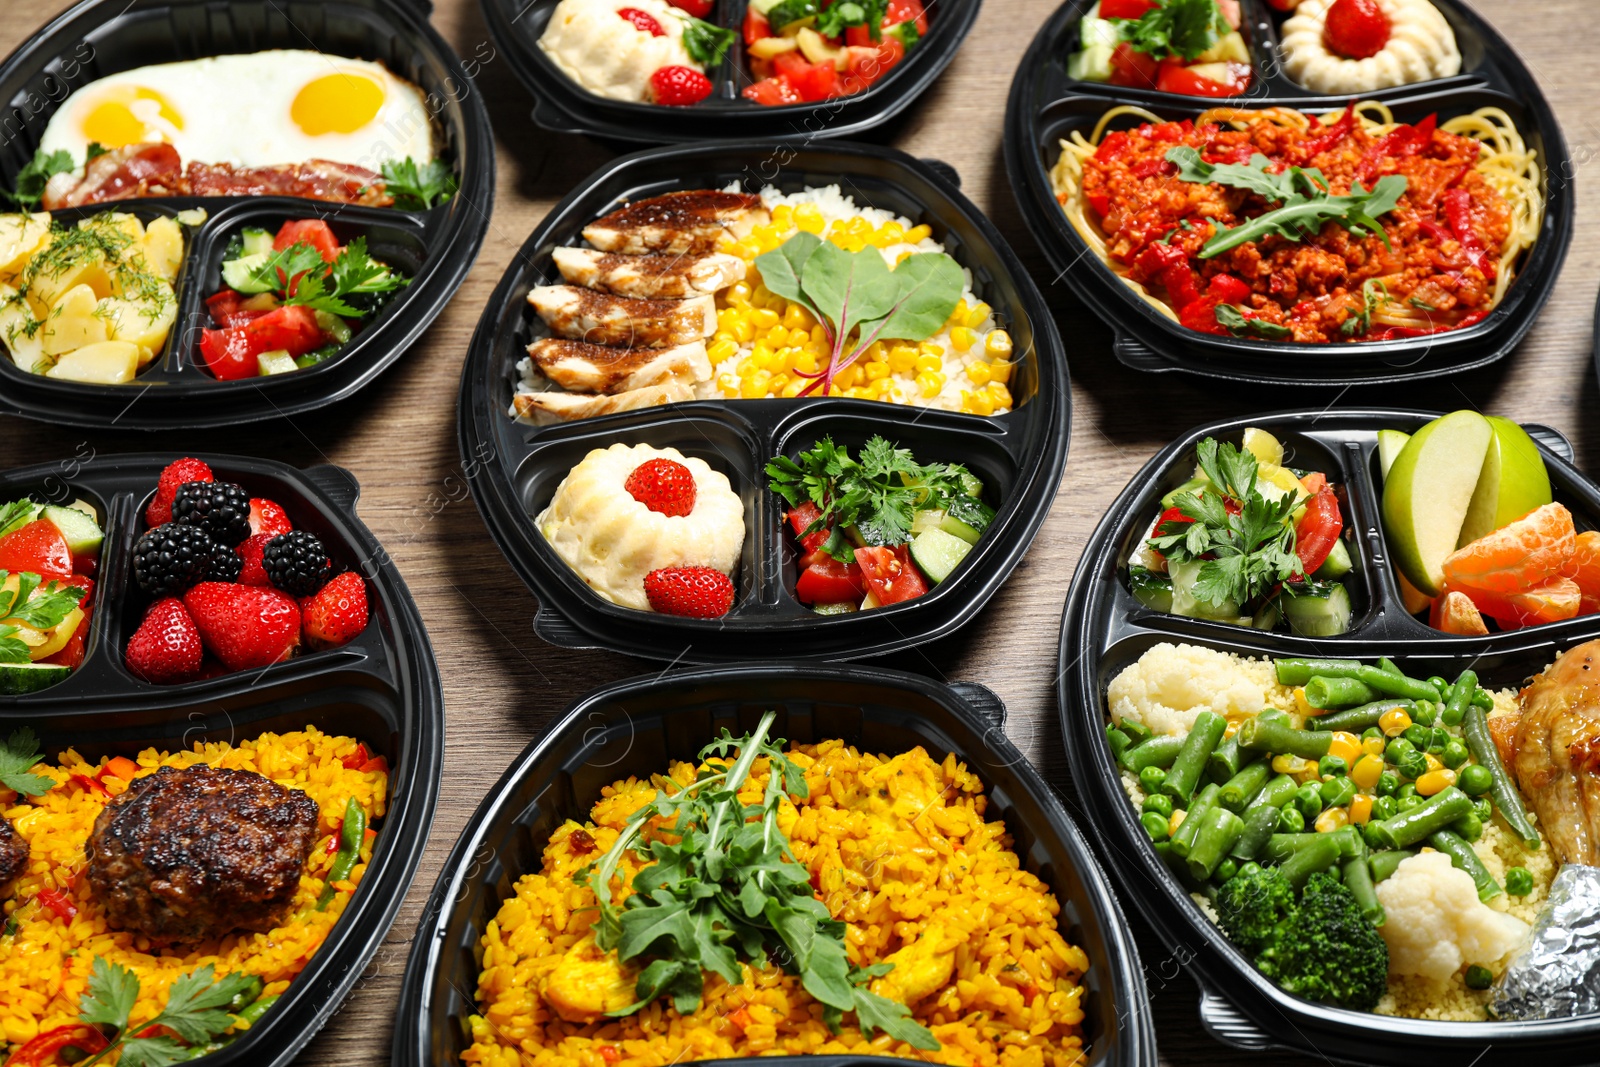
1517 556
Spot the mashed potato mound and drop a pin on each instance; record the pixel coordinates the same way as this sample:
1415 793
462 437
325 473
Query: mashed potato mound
1436 923
1168 686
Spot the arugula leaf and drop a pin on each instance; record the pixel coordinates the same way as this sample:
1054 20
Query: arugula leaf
417 187
1374 294
1241 325
874 1012
1184 28
193 1013
706 43
17 756
32 178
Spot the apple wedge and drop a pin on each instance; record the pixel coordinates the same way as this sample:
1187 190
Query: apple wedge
1428 491
1514 481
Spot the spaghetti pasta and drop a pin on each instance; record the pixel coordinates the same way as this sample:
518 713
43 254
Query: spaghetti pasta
1473 185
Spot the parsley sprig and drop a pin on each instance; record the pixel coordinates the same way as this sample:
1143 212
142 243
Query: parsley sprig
17 756
731 889
418 186
1184 28
34 606
16 514
1302 193
193 1012
300 273
1243 551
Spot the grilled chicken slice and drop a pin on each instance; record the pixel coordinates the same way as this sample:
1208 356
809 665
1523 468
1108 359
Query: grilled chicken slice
688 221
650 277
582 406
1558 753
585 368
603 319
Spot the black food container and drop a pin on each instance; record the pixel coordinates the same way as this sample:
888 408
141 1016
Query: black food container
561 105
381 688
635 727
513 468
1046 106
1104 629
433 248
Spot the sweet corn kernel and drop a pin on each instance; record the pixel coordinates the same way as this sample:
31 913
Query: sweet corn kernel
738 293
748 248
856 392
1434 762
805 362
977 314
819 334
894 394
1175 821
808 217
743 331
777 337
747 367
1360 809
778 383
755 386
927 362
877 352
1332 819
999 395
849 377
1301 705
1000 370
962 338
1346 746
728 384
1435 780
877 371
958 317
902 359
1372 746
796 318
998 344
928 348
931 383
978 372
764 317
918 233
890 233
720 349
1366 771
793 389
1287 763
977 403
1394 722
783 216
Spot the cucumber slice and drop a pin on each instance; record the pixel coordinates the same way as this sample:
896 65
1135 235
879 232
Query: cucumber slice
1268 617
257 242
972 511
927 519
19 678
1338 563
846 608
1097 39
236 274
1187 487
1152 590
1321 609
957 528
938 553
971 485
1184 602
278 361
80 531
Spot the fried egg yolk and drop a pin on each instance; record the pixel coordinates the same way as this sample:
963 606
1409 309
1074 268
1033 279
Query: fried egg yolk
130 114
336 103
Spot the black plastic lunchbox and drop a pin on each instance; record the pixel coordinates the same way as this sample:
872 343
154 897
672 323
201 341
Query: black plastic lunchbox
513 468
1045 106
1104 629
434 248
634 727
382 688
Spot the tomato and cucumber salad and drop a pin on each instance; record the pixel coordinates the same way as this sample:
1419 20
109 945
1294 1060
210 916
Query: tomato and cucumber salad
1187 47
1248 540
49 554
804 51
876 528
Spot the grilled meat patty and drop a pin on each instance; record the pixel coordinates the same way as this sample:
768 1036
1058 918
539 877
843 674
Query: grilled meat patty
13 851
191 854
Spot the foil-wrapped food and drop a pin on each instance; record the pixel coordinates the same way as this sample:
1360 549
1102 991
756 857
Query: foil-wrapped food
1557 974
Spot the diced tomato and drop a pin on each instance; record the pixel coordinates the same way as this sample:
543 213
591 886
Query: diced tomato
1133 68
377 764
772 92
58 902
829 581
755 26
1314 482
813 81
1398 143
1202 316
120 767
1113 146
1174 77
801 518
313 232
1228 289
231 353
1458 213
906 11
1230 12
91 785
890 574
1318 530
45 1049
356 758
1124 9
1170 265
864 66
38 547
700 9
609 1053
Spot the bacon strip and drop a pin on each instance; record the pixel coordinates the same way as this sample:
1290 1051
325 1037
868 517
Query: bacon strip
147 170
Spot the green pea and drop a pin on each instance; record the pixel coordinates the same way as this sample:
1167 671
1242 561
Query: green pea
1370 733
1226 870
1440 740
1154 825
1384 808
1454 754
1475 780
1442 686
1150 779
1426 712
1308 800
1332 766
1388 784
1290 821
1407 789
1519 883
1418 735
1414 765
1483 808
1372 835
1469 827
1397 748
1479 977
1158 803
1412 801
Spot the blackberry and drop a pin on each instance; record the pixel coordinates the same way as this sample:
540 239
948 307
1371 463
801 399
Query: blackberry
225 565
297 563
171 559
221 509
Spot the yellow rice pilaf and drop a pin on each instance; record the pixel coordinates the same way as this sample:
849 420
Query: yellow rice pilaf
45 962
901 852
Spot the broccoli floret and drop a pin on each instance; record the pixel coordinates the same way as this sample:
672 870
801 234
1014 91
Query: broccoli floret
1326 950
1252 904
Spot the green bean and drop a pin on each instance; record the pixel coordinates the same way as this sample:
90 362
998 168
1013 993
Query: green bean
1280 847
1259 822
255 1011
1225 760
1318 855
1217 835
1189 828
1275 794
1409 827
1360 719
1475 779
1159 804
1387 664
1301 671
351 835
1382 864
1241 789
1184 774
1136 730
1151 778
1325 692
247 995
1119 741
1519 883
1154 825
1460 698
1469 827
1278 736
1462 857
1475 727
1358 879
1272 715
1159 751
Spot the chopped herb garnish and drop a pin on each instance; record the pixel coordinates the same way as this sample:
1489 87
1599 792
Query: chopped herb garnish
705 43
1184 28
1374 294
300 272
31 606
17 756
193 1013
1241 325
417 187
32 178
16 514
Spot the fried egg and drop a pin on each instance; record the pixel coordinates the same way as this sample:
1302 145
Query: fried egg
253 110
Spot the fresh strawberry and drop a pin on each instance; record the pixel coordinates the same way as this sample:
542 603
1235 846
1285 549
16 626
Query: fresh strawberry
253 572
177 473
244 626
268 517
642 21
336 612
695 592
700 9
679 86
662 485
1356 29
166 647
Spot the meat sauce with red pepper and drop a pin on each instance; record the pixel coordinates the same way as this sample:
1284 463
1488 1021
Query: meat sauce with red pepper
1444 234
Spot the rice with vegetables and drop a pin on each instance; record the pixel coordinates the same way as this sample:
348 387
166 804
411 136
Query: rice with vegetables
897 848
55 929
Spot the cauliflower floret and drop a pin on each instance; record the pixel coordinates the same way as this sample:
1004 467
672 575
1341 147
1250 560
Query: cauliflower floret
1436 923
1171 684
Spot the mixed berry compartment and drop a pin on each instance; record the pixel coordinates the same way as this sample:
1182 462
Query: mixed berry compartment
429 239
518 468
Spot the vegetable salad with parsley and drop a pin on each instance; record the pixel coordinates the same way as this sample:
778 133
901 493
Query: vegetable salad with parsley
804 51
291 300
48 554
1188 47
1250 541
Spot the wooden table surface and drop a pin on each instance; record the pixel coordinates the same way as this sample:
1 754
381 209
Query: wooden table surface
503 686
